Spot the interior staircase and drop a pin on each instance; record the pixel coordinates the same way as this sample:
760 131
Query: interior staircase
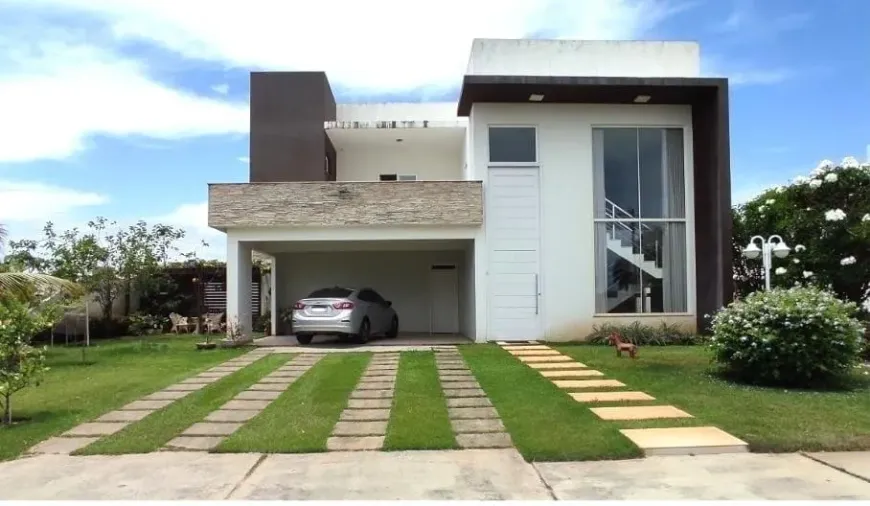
624 242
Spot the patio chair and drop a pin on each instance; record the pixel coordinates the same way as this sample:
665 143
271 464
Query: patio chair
179 323
213 322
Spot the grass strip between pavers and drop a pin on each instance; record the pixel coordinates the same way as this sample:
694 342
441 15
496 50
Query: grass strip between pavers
418 419
544 422
155 430
302 419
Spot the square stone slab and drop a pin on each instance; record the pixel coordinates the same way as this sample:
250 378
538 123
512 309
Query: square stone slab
372 394
526 347
452 373
365 415
194 443
164 395
487 440
452 367
283 375
375 385
612 396
533 353
378 375
557 365
61 445
555 358
459 384
211 429
256 405
639 413
360 428
229 370
300 369
255 395
184 387
597 384
463 392
96 429
461 378
232 415
124 415
214 375
579 373
685 441
384 361
369 403
276 381
383 368
465 413
468 402
354 443
147 405
269 387
477 425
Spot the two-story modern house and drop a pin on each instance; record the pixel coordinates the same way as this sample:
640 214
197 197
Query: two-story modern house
574 183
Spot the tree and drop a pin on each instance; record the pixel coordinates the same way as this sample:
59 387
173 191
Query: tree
20 363
825 218
17 277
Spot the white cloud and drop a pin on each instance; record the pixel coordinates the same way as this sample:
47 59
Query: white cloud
33 203
221 89
742 75
193 219
376 45
244 159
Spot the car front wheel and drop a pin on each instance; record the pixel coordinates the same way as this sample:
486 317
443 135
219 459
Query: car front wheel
364 332
394 327
304 338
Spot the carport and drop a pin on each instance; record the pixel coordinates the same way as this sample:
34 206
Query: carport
430 281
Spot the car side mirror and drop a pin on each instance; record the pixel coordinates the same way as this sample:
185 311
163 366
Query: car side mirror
389 303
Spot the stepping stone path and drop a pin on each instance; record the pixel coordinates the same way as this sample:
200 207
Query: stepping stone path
475 421
82 435
363 424
220 424
570 375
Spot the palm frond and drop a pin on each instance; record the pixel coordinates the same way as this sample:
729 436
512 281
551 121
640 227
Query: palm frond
14 283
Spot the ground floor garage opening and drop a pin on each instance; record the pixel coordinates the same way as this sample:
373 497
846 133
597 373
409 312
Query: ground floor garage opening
429 283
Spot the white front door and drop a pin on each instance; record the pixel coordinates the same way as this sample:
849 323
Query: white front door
444 297
514 236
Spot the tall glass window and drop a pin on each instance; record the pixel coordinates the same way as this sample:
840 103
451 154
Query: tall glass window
640 221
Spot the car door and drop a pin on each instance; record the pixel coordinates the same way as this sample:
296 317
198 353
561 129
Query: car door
370 309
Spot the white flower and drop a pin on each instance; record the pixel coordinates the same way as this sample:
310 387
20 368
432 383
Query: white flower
849 260
824 165
830 177
799 248
815 183
761 209
801 180
770 202
808 274
866 217
850 163
835 215
780 271
735 276
796 260
865 165
779 189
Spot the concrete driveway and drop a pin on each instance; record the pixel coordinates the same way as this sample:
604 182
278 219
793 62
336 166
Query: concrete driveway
468 474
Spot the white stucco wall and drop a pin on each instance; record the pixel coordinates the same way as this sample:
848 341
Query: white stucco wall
399 276
527 57
567 262
427 161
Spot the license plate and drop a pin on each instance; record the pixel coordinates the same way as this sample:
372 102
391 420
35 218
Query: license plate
318 309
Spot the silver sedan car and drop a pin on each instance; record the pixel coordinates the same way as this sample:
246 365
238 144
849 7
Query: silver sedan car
344 312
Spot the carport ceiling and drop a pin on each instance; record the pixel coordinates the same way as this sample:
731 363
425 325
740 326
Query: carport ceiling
271 247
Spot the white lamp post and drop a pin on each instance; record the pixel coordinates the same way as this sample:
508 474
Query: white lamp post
768 250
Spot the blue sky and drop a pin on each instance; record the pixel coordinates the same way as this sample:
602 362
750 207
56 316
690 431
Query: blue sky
127 108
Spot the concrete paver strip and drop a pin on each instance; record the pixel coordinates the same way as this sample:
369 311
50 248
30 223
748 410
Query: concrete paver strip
365 415
61 445
473 413
484 440
477 426
557 358
597 383
95 429
211 429
369 403
237 404
612 396
454 393
358 428
372 394
164 395
355 443
232 415
742 476
468 402
194 443
556 365
124 415
147 405
270 387
256 395
184 387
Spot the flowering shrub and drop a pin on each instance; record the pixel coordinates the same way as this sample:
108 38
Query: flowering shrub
20 363
797 337
825 218
141 324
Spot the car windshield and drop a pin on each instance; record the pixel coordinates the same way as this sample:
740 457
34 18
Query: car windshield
330 293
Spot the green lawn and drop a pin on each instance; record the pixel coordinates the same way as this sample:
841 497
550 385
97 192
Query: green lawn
117 372
543 421
155 430
769 419
418 419
302 418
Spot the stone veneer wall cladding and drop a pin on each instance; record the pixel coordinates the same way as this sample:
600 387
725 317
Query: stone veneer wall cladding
341 204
